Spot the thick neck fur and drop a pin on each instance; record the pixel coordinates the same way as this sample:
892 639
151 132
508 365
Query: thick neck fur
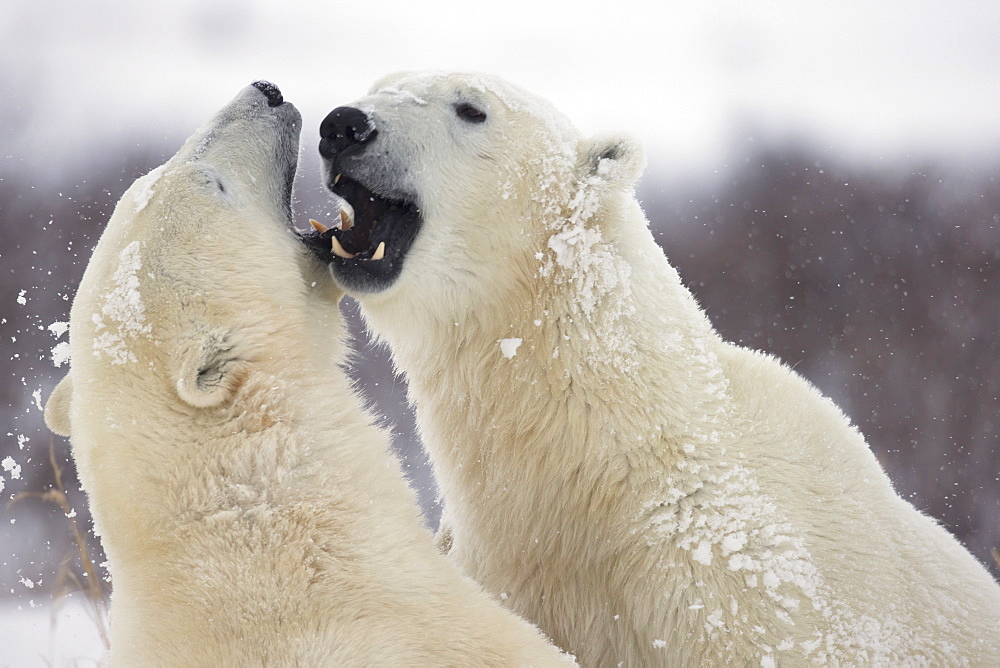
473 403
265 522
494 425
262 453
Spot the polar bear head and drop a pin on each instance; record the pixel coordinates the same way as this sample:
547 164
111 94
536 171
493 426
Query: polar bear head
456 182
196 277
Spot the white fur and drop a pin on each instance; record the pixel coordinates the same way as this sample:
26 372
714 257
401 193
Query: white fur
251 512
639 488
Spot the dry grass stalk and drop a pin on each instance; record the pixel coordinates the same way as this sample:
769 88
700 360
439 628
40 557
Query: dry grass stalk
67 580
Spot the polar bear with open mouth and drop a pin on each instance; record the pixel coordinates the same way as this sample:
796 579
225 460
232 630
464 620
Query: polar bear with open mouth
251 512
642 490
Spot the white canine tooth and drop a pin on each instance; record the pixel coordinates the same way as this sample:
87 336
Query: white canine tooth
318 226
338 250
346 221
336 178
379 252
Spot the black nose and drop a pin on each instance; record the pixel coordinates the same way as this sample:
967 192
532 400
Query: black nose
270 91
344 127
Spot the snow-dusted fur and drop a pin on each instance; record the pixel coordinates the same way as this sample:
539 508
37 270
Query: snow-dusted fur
642 490
251 512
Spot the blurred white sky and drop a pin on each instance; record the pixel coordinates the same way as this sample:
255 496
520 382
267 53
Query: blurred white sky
881 79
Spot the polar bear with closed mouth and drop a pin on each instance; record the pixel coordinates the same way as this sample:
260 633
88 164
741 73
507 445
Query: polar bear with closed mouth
642 490
251 512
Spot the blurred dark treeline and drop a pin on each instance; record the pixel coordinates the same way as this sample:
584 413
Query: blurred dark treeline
879 283
880 286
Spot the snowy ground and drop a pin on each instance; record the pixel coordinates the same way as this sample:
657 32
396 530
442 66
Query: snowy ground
32 637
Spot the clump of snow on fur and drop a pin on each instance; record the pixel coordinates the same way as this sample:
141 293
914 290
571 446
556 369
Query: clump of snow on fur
702 554
123 310
144 188
403 93
578 256
509 346
726 523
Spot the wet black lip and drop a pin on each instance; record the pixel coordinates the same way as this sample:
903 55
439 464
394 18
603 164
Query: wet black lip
377 219
287 189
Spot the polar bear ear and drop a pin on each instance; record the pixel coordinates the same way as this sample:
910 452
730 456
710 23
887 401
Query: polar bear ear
617 160
209 372
57 407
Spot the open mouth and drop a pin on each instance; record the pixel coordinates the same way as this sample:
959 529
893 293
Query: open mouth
366 247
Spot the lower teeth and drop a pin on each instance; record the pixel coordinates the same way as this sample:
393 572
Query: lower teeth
338 250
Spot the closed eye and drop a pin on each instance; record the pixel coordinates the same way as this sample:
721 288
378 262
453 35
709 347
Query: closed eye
212 178
470 113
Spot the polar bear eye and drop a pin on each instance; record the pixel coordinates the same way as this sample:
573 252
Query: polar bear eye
211 179
469 113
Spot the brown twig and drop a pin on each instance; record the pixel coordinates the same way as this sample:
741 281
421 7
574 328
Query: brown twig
92 589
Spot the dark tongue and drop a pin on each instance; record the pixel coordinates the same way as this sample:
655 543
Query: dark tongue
354 240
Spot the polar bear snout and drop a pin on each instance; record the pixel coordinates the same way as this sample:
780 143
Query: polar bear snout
380 216
343 128
270 91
